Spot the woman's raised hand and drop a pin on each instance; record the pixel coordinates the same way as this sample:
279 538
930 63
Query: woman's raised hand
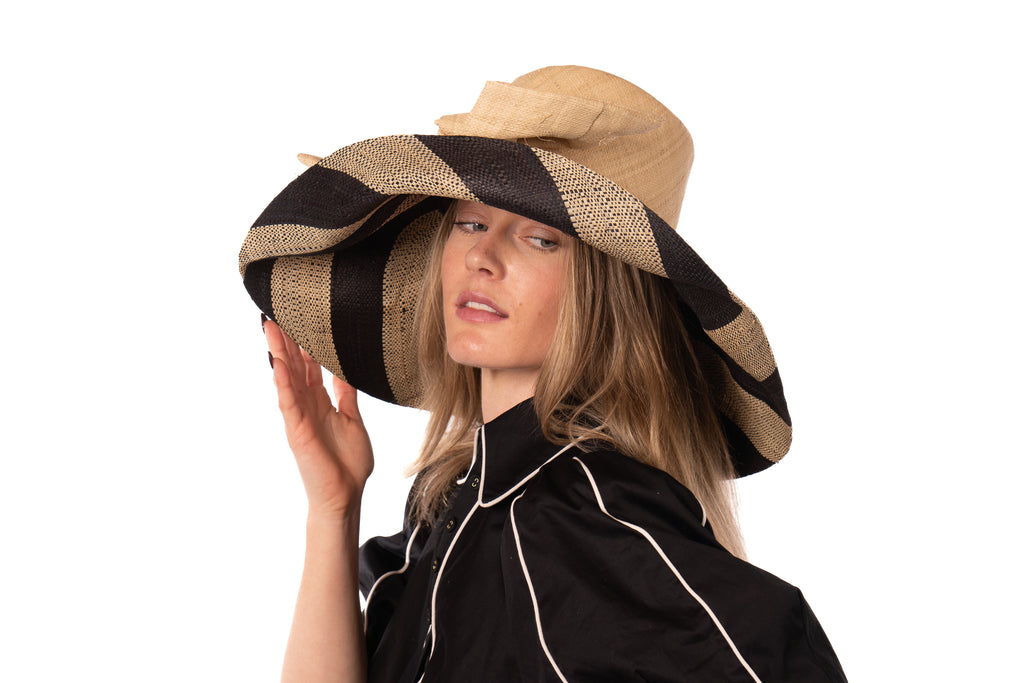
331 445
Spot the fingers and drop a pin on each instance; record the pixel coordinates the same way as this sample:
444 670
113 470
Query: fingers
297 377
283 348
314 376
277 340
287 401
295 360
290 373
331 445
345 396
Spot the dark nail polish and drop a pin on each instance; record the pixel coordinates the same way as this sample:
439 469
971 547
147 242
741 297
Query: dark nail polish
271 357
263 320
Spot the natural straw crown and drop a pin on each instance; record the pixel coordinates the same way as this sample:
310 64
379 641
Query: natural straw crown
597 120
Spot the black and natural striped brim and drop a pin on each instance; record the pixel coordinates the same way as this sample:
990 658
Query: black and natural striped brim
337 260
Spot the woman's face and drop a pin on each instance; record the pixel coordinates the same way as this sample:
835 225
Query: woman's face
501 280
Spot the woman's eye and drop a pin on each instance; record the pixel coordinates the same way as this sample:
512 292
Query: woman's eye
543 242
470 227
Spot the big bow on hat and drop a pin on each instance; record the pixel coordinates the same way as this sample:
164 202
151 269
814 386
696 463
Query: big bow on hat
337 258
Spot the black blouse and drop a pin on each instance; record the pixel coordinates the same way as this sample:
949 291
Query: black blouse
552 564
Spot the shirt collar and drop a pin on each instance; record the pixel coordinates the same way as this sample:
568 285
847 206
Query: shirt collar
511 448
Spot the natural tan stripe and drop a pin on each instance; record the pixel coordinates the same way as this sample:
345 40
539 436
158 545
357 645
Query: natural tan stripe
769 434
746 343
762 425
603 214
398 164
403 206
270 241
403 274
300 289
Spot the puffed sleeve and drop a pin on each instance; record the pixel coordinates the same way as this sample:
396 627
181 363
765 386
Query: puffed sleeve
385 563
615 575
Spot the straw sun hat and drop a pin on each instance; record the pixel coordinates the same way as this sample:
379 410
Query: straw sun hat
336 259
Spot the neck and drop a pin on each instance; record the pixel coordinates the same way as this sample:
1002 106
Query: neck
502 389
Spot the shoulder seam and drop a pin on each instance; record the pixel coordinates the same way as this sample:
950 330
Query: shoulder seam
703 510
661 553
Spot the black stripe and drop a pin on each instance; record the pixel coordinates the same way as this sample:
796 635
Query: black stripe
257 283
746 459
357 283
321 198
505 175
374 222
772 386
357 275
769 390
703 291
710 357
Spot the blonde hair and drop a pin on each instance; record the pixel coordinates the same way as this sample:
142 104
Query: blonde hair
621 371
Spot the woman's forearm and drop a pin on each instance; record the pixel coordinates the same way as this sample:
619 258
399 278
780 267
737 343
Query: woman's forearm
327 641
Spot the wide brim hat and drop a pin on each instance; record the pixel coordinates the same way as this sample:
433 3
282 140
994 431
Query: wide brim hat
338 257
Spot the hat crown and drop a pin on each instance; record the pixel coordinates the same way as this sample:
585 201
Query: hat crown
594 118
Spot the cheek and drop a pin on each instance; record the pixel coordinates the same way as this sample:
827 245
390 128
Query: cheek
449 268
547 292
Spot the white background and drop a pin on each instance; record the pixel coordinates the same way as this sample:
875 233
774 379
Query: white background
857 181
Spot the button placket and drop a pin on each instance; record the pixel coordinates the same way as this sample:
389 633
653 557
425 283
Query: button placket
444 533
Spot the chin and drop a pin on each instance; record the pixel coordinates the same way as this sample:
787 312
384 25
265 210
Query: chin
473 346
465 353
473 360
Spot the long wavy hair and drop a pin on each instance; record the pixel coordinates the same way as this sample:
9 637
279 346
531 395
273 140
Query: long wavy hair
621 372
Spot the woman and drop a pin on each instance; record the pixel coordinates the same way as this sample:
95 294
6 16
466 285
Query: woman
593 389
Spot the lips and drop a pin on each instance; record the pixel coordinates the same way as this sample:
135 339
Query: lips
475 307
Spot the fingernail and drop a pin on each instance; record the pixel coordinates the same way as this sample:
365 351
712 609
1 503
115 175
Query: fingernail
263 320
271 357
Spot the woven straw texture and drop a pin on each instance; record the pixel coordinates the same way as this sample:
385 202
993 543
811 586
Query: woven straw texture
337 258
351 303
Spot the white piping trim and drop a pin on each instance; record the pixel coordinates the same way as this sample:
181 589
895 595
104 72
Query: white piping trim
472 462
394 572
479 504
654 544
509 492
533 595
483 464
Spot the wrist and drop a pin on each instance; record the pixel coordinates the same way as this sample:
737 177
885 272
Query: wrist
334 519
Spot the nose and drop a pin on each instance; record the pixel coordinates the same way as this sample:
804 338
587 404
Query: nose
486 255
